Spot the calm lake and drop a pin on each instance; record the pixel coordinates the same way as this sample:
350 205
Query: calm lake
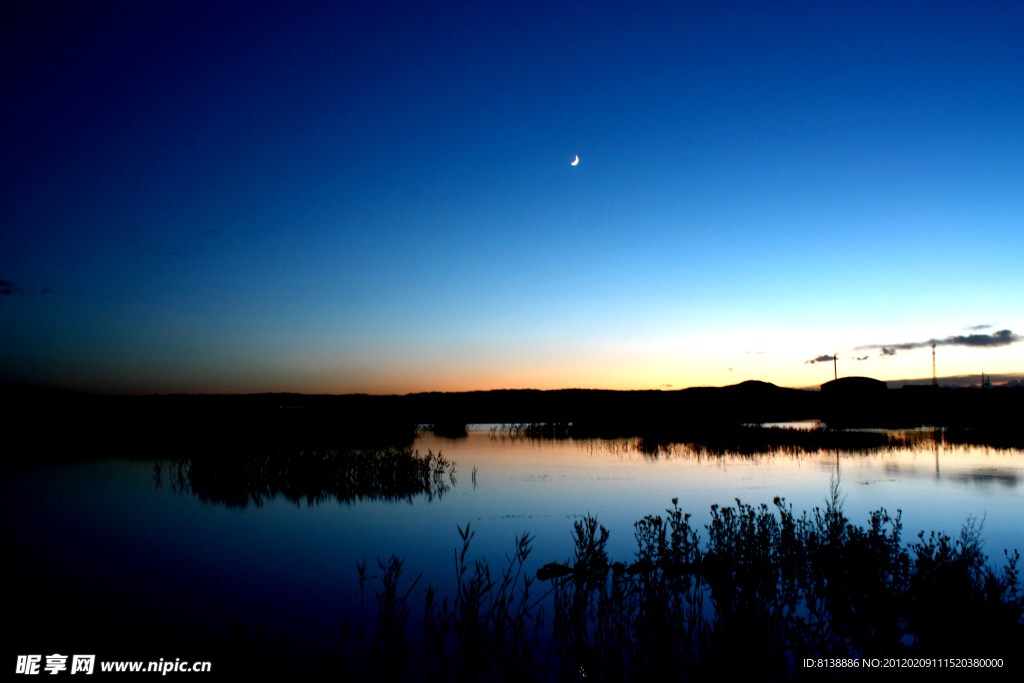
118 534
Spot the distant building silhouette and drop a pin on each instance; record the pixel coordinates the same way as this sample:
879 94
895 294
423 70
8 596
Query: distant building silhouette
853 385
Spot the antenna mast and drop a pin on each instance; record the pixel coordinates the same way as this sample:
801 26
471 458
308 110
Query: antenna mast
935 382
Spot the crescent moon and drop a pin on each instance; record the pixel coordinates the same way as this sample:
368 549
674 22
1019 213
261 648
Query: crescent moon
577 160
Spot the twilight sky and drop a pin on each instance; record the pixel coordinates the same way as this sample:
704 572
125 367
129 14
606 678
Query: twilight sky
375 197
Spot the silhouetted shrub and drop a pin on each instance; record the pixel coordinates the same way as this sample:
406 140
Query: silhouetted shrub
765 590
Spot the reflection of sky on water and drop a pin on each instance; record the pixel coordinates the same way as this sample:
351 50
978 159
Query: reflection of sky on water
104 528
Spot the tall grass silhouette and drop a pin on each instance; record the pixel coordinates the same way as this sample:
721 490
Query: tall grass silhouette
762 591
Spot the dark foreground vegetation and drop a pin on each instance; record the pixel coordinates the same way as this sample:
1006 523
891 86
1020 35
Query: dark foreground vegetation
752 594
760 592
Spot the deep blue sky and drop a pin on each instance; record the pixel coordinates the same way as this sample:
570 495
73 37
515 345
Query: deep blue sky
377 197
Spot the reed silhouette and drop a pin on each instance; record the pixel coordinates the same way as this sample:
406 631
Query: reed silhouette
313 476
763 591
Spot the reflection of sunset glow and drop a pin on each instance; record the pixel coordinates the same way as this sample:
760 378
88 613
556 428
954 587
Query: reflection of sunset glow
502 486
269 227
936 485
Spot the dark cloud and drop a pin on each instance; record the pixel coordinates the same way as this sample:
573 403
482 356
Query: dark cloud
978 341
1000 338
757 353
667 385
820 359
212 232
975 328
860 357
164 250
8 288
885 352
47 290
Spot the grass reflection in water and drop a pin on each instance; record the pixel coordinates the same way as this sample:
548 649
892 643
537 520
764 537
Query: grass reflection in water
314 476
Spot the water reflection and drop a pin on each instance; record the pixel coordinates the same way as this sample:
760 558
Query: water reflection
313 476
745 440
260 558
983 476
402 474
